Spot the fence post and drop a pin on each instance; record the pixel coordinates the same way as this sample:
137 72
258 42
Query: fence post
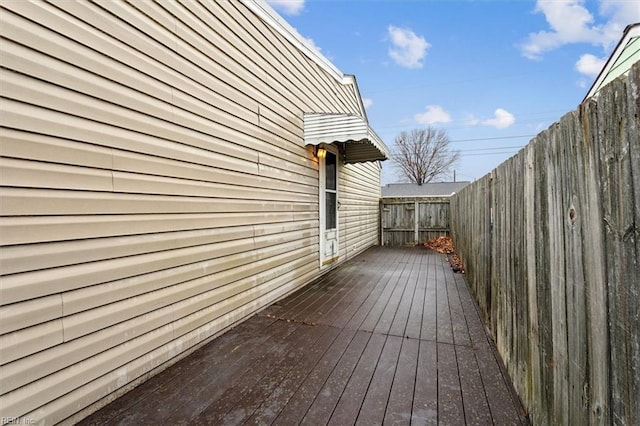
381 222
416 222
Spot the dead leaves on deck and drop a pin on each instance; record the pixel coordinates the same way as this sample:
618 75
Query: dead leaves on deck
445 245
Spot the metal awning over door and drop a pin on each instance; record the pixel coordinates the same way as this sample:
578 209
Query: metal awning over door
360 142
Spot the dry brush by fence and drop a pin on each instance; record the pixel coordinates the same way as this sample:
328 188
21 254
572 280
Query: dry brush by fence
551 246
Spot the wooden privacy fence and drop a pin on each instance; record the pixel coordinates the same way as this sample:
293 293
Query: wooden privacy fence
412 220
550 241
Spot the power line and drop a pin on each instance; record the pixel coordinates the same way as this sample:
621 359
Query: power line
492 149
487 153
461 124
493 138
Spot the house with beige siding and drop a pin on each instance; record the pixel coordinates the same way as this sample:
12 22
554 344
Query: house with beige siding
167 170
624 55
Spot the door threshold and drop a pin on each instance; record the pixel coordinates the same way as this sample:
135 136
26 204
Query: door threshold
330 261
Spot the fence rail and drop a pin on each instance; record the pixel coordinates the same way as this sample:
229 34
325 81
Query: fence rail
551 246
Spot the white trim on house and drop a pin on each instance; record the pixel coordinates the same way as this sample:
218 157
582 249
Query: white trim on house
266 12
273 19
361 143
332 235
361 151
620 61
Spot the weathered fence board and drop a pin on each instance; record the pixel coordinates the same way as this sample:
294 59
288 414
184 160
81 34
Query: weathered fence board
413 220
551 246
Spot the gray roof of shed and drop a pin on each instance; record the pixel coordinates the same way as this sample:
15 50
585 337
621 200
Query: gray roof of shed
437 189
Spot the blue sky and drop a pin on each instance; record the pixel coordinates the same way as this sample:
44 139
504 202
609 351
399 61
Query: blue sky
493 74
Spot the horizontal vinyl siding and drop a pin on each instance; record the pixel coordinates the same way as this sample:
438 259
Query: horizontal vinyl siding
155 188
359 196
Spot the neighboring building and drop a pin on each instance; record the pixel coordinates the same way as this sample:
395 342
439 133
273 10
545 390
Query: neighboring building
435 189
168 169
626 53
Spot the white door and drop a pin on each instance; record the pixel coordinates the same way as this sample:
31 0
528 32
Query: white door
329 208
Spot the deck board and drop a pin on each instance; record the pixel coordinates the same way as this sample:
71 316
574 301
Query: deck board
269 409
391 337
348 406
333 388
375 401
425 396
297 406
398 410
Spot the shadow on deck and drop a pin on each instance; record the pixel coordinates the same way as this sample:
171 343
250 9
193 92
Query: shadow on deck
392 336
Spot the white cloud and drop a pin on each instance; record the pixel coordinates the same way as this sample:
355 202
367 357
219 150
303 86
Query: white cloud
501 119
432 115
620 13
472 120
590 65
583 83
408 49
367 102
571 22
313 43
288 7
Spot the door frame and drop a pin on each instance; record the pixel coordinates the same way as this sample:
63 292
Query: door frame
326 260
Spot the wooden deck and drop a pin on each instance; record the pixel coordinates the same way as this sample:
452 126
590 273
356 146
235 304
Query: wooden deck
391 337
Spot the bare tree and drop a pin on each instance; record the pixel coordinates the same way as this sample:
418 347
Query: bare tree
423 155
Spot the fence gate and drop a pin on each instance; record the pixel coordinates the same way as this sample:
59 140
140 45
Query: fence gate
413 220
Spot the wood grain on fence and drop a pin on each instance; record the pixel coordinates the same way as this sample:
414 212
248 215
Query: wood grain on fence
550 241
413 220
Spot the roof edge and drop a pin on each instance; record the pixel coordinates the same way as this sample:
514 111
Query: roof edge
631 30
271 17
